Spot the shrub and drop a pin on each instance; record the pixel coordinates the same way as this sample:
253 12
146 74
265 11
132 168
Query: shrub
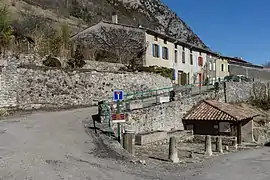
52 62
77 60
3 112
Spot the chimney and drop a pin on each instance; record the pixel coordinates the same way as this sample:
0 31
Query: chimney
115 18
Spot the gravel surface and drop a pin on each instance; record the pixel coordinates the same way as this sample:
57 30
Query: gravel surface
56 145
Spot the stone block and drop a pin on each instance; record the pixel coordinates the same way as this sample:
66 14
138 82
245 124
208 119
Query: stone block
134 105
150 137
163 99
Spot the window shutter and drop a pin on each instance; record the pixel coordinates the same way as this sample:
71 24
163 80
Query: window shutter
158 50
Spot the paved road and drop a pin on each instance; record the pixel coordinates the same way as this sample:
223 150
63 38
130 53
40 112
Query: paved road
54 145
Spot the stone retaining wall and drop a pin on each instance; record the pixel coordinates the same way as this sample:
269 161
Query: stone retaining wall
244 91
34 87
163 117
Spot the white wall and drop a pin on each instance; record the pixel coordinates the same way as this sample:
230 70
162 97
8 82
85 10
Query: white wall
150 60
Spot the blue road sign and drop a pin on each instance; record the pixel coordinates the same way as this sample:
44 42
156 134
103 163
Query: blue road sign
118 95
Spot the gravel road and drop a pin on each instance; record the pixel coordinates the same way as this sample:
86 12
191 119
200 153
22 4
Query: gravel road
54 145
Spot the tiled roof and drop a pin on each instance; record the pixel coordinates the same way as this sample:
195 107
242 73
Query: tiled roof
218 111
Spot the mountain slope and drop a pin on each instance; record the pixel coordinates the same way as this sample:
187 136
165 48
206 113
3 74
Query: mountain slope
149 13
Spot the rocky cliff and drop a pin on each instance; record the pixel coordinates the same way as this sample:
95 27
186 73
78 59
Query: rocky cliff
81 13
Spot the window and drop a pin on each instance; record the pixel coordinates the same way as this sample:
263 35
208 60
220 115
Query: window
155 38
222 67
175 56
165 53
214 66
183 57
191 58
175 46
210 66
155 50
200 53
200 61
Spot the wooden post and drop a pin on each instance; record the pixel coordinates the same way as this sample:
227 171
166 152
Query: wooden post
129 141
173 155
225 93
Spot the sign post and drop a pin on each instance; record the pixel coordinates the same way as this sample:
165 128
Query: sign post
118 96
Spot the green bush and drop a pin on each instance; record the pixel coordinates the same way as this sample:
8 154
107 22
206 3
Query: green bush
165 72
3 112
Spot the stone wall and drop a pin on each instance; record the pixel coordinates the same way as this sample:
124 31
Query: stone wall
163 117
244 91
29 87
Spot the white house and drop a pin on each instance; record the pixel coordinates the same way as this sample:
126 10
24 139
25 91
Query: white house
188 61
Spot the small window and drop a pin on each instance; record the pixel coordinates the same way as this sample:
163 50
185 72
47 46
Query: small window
191 58
210 66
183 57
200 61
183 48
222 67
165 41
200 53
155 50
155 38
175 46
175 56
165 53
214 66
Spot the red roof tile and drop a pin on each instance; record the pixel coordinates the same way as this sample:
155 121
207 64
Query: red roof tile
218 111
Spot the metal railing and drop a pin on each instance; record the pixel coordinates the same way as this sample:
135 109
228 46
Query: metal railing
185 90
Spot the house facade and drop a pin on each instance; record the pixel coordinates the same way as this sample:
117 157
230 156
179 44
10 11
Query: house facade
122 41
211 64
238 66
188 62
222 68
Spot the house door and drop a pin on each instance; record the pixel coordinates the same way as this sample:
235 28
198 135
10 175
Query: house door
183 78
179 78
200 78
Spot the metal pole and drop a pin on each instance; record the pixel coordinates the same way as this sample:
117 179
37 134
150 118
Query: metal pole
118 110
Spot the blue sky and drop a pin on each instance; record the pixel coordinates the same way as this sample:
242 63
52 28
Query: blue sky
233 27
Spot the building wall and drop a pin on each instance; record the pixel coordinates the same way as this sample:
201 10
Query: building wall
211 63
219 73
158 61
186 67
201 69
250 72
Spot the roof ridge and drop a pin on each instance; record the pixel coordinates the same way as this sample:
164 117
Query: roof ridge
209 103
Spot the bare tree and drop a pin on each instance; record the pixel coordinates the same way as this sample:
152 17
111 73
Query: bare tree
118 45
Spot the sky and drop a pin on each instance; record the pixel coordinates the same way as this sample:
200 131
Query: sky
237 28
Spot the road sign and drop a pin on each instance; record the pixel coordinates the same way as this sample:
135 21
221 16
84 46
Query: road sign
118 118
118 95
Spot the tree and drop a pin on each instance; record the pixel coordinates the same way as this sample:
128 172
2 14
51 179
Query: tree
117 45
6 30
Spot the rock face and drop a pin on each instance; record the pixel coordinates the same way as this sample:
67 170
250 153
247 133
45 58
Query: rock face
149 13
166 20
